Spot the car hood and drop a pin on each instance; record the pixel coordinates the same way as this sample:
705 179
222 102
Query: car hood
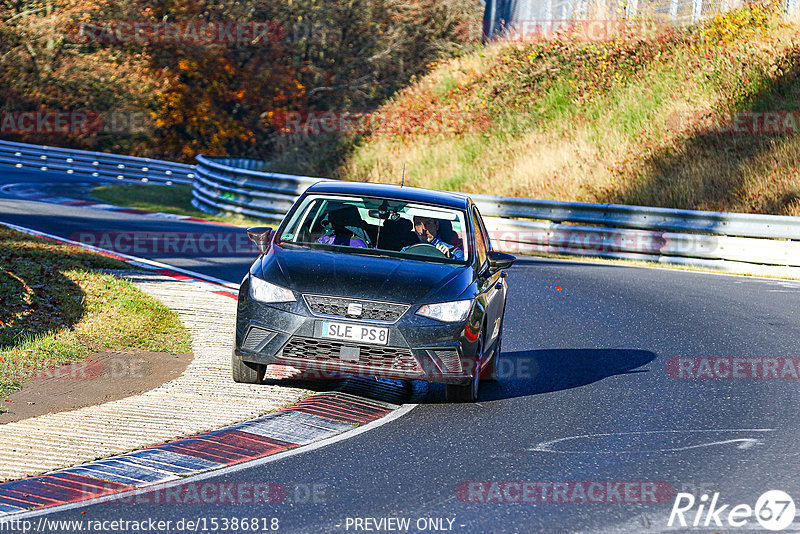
376 278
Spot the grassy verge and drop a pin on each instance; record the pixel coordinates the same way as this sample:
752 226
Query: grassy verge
57 308
175 199
646 118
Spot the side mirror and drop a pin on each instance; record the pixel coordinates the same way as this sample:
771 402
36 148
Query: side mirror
261 236
500 260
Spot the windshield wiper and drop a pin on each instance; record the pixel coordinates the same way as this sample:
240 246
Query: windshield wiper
298 245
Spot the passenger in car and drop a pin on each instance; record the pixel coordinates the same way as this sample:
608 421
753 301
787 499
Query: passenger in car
344 226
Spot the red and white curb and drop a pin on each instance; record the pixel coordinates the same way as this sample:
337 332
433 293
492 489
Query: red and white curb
313 419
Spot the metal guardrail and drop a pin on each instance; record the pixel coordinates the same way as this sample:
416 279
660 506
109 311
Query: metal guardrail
726 241
642 217
230 185
96 164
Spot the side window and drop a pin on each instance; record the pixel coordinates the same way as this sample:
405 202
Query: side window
480 239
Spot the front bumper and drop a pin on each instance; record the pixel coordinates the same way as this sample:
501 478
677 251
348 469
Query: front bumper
418 348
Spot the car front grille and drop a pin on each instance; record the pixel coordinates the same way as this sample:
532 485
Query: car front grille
370 359
369 310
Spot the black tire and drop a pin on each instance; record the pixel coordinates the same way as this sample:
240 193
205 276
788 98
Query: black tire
459 393
246 372
469 392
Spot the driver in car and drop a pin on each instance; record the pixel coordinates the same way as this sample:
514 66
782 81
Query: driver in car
427 230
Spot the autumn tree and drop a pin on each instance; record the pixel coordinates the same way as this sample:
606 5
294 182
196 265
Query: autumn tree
213 96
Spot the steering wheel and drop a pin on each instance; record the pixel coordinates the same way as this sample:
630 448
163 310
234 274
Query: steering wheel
426 249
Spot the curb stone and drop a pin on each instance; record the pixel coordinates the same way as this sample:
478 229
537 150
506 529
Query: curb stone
203 398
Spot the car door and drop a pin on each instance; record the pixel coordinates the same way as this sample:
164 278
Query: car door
492 286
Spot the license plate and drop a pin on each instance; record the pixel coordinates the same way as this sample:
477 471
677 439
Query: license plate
354 332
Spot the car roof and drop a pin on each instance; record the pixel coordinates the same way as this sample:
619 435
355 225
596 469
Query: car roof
393 192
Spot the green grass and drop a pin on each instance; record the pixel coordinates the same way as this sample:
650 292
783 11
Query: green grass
446 84
163 198
558 103
58 308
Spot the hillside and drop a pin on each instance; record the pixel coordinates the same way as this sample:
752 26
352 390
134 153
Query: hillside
701 118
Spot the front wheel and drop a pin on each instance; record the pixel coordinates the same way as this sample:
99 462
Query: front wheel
494 365
246 372
469 392
459 393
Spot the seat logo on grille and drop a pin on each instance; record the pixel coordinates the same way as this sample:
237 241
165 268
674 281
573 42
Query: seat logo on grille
355 309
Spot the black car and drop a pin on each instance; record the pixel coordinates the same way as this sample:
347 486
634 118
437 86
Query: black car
375 280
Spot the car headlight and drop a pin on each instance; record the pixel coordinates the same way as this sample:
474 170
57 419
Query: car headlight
447 312
263 291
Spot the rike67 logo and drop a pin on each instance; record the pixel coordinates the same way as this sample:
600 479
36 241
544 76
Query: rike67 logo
774 510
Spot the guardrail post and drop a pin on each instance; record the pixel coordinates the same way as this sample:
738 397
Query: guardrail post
548 28
631 9
673 11
697 11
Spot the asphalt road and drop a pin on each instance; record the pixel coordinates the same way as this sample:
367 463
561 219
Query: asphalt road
585 396
215 250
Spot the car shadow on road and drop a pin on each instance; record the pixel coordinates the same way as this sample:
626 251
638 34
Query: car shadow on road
384 390
532 372
521 374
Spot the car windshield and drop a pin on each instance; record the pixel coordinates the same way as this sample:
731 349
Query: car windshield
378 226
